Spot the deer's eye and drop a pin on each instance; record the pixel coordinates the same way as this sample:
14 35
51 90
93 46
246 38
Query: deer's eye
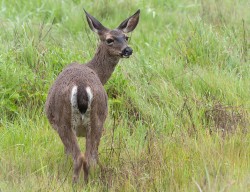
127 38
109 41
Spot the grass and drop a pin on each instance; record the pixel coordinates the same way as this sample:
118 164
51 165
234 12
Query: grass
178 108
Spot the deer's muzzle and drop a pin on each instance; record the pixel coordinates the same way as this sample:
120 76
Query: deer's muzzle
127 52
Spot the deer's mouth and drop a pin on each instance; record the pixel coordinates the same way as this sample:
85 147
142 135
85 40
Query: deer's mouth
125 56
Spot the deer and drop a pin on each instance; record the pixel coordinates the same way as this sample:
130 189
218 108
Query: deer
77 103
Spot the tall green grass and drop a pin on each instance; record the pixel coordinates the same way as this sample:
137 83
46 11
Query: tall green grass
178 108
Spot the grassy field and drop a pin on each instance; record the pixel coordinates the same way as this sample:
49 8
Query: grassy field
179 108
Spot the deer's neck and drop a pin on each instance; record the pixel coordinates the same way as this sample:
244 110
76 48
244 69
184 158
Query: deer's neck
103 63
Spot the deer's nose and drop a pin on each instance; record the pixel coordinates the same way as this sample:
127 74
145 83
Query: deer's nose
127 51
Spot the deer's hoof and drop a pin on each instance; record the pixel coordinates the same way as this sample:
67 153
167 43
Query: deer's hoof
75 179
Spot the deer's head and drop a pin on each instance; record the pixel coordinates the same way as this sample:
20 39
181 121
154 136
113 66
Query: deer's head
115 41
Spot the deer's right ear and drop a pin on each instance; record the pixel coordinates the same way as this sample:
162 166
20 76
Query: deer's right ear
94 24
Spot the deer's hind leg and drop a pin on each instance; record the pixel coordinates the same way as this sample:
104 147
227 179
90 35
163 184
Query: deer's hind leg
71 145
94 133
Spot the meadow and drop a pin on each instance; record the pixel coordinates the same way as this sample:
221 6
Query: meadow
178 108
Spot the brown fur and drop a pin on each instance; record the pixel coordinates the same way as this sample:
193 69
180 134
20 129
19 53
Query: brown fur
94 74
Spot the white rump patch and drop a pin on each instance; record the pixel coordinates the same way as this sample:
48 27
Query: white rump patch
80 122
90 96
73 98
75 113
86 116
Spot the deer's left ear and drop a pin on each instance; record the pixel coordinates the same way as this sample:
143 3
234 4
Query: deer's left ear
130 23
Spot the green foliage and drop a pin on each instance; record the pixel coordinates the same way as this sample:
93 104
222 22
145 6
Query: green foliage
178 108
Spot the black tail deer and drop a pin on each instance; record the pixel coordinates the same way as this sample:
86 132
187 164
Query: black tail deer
77 101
